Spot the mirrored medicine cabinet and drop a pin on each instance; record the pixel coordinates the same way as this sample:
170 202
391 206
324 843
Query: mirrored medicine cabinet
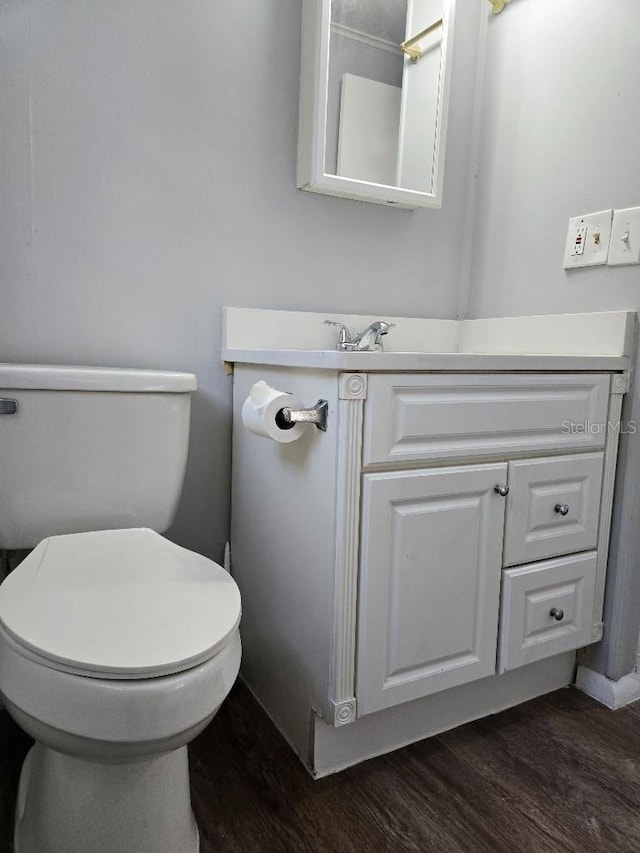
374 96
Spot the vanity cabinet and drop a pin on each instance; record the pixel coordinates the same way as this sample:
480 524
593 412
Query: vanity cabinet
434 540
438 554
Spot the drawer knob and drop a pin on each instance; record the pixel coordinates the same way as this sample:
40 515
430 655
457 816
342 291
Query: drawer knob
502 489
563 509
557 613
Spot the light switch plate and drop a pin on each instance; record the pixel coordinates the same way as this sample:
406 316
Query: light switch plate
625 237
588 240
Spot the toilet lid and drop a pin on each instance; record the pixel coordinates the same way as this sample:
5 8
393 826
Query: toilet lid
119 604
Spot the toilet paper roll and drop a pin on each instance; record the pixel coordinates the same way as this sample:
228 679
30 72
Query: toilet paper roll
260 410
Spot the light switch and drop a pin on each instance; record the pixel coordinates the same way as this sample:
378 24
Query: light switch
625 237
588 240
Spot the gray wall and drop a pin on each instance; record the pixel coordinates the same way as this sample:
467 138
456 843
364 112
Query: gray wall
148 178
559 138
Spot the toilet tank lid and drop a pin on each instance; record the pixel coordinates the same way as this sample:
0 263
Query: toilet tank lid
56 377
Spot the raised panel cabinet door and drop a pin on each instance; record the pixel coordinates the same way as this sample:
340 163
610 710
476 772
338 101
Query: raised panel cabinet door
431 558
424 417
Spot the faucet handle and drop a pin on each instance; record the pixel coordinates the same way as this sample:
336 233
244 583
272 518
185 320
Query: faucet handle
344 337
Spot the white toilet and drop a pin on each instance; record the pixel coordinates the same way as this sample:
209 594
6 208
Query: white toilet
117 647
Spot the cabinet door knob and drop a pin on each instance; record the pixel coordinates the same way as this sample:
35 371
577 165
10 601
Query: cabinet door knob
557 613
502 489
563 509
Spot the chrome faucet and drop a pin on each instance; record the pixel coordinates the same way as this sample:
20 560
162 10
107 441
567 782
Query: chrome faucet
367 341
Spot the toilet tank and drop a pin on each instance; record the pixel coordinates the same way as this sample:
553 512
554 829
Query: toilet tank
90 449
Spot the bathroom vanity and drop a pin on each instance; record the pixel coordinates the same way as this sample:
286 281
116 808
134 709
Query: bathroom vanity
440 552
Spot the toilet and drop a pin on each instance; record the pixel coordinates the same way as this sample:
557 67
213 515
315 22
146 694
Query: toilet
117 647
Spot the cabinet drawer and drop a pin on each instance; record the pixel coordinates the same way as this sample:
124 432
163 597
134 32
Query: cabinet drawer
553 507
529 630
412 418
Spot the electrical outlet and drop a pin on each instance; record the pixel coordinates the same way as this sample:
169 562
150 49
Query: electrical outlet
625 237
588 240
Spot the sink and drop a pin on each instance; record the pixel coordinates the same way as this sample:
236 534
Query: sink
596 341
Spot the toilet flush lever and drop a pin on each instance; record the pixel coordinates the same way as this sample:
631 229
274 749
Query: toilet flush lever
8 407
316 415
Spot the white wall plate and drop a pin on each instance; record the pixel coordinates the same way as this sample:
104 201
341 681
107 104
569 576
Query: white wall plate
588 240
625 237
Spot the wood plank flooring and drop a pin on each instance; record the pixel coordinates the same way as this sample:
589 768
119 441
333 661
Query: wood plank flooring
560 773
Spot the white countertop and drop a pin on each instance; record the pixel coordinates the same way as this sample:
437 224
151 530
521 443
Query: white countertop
377 362
563 342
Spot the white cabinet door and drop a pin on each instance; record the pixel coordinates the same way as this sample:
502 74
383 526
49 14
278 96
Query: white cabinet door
429 581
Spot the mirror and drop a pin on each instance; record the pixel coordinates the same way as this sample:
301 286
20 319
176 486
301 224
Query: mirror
374 90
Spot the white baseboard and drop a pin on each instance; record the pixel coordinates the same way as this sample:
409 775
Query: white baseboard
613 694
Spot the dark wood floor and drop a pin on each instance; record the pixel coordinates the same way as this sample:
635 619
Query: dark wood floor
560 773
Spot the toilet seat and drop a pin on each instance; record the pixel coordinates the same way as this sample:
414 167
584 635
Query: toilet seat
119 604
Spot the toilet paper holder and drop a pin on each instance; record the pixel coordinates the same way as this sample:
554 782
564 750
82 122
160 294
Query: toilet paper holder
287 417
